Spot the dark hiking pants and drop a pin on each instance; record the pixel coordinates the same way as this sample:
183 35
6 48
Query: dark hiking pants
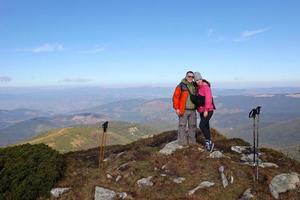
204 124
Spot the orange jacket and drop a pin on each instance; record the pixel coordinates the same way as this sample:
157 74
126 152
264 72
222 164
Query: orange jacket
179 98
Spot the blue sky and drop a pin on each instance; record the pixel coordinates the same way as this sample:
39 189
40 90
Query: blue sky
130 43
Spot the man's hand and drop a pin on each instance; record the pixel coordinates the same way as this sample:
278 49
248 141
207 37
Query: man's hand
205 114
178 112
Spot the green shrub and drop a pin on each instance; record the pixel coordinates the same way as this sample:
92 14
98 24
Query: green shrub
28 171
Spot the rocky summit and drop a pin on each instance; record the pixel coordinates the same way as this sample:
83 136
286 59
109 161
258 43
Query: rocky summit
157 168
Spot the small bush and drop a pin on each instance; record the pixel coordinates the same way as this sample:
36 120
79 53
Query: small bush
28 171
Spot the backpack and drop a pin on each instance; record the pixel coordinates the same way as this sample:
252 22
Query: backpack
198 100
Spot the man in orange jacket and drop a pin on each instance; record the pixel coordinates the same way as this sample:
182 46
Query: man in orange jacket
185 109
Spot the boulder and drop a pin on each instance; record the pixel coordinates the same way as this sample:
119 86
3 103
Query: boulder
170 148
283 183
104 194
145 182
216 154
247 195
204 184
107 194
56 192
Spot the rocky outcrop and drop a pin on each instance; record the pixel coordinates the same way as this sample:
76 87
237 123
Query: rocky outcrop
283 183
170 148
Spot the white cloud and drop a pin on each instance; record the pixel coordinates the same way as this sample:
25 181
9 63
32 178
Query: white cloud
47 47
251 33
5 79
75 80
92 51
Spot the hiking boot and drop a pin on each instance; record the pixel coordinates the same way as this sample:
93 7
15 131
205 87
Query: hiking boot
209 145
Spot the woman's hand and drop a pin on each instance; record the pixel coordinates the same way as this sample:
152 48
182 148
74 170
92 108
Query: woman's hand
205 114
178 112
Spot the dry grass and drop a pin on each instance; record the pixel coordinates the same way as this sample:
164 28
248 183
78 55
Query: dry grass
82 173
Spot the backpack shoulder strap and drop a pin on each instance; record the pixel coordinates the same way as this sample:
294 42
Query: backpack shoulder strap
184 87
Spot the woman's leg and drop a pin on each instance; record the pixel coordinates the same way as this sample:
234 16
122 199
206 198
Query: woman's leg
204 125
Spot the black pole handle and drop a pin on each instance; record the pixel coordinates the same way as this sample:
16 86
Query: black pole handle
258 110
105 126
253 113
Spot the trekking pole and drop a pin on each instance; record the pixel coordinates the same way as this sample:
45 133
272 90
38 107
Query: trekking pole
103 143
252 114
257 138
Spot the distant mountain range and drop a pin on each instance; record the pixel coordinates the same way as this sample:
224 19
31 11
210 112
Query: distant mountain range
8 117
138 110
69 99
279 118
29 128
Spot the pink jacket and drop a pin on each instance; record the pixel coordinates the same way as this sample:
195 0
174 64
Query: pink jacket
205 90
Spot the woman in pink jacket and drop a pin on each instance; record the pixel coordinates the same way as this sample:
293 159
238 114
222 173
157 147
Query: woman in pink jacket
205 111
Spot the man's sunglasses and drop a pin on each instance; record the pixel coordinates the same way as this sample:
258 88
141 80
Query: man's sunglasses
190 76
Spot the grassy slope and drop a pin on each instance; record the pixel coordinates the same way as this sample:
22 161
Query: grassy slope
82 173
85 137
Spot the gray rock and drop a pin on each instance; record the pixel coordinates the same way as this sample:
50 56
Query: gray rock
56 192
118 178
247 195
124 167
170 148
231 179
224 179
283 183
216 154
204 184
145 182
268 164
178 180
241 149
163 175
109 176
120 154
164 166
249 158
107 194
122 195
104 194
